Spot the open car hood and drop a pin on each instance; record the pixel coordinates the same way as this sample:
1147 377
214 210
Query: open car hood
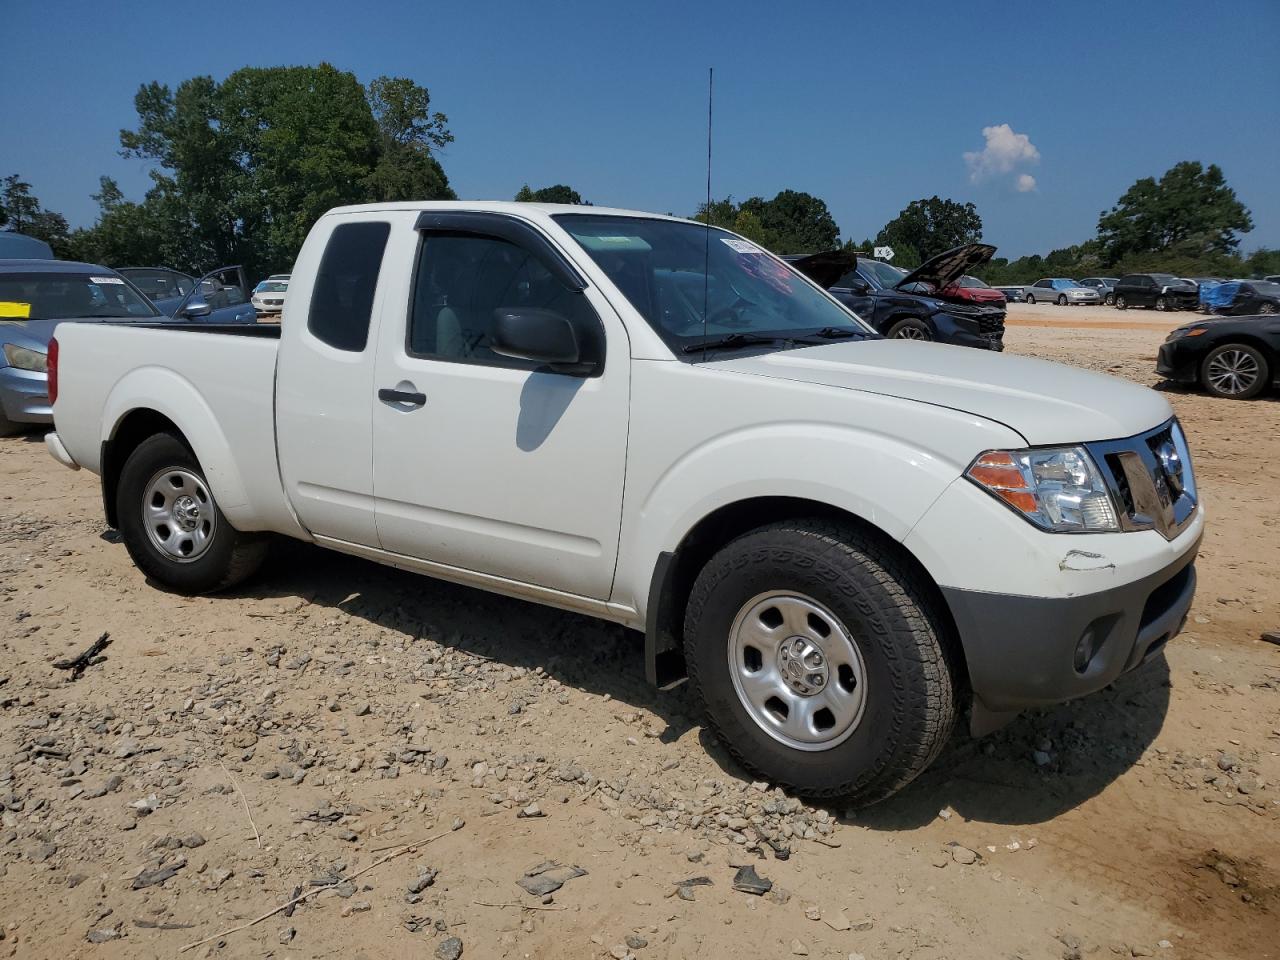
948 267
824 268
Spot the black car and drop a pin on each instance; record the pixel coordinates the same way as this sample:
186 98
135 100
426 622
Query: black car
1236 357
924 304
1248 297
1163 291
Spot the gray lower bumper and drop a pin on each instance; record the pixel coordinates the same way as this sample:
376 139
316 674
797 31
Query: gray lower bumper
24 396
1023 651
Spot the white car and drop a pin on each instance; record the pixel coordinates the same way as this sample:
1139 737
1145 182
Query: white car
268 296
842 541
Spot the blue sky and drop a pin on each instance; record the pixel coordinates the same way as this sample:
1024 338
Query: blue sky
868 106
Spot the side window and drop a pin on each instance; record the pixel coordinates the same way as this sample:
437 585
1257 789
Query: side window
462 279
1043 283
849 279
342 300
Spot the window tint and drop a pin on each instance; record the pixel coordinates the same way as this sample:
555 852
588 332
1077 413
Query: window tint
462 279
1044 283
342 300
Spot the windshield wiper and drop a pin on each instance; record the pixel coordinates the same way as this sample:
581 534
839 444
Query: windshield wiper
837 333
733 340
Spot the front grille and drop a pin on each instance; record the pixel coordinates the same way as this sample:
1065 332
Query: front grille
1150 482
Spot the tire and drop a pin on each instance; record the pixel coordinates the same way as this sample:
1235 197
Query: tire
1267 308
1062 300
1162 304
164 472
1110 300
881 622
910 329
1235 371
1030 298
1121 303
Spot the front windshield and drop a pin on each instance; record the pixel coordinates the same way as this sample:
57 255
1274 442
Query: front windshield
690 282
881 275
973 283
64 296
1166 278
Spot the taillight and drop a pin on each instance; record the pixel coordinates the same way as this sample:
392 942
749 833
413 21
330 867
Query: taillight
53 371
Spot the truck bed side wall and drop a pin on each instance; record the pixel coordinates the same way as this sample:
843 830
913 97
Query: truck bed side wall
107 372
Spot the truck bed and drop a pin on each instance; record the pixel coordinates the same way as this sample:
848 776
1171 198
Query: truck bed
220 388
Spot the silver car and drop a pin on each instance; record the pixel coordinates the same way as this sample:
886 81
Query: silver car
1104 285
1062 291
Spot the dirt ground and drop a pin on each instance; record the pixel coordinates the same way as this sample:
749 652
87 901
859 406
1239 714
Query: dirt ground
340 711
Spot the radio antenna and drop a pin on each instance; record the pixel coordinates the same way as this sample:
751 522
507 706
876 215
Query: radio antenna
706 247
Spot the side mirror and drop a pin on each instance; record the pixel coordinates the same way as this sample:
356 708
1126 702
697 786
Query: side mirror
859 286
196 308
543 336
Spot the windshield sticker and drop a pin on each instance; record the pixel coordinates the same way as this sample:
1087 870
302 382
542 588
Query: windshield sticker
13 310
105 280
740 246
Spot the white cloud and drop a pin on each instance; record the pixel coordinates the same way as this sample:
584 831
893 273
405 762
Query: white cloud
1005 151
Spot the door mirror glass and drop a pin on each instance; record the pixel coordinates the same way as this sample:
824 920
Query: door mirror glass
542 336
197 307
859 286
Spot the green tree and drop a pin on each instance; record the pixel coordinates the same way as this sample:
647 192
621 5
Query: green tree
928 227
243 168
1189 212
407 168
21 212
558 193
792 222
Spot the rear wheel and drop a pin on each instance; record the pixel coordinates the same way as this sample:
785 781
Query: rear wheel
1236 371
172 526
910 329
1062 299
817 654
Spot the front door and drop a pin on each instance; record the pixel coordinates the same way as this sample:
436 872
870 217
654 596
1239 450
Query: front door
487 463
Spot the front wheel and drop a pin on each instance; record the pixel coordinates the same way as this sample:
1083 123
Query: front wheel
818 657
910 329
1162 303
1031 298
1267 308
1110 299
172 526
1121 303
1235 371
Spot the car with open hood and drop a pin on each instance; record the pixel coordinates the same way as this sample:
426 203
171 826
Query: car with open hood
921 304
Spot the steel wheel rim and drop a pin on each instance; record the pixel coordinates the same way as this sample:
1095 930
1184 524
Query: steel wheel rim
178 514
1233 371
911 333
797 671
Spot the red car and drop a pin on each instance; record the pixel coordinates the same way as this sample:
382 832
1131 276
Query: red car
974 290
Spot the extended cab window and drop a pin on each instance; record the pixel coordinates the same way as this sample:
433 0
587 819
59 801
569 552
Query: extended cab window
462 279
342 300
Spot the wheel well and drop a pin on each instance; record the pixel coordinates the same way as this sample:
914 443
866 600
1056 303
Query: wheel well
130 432
673 579
1258 344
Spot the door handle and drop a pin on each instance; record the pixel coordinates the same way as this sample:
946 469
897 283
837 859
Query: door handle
413 399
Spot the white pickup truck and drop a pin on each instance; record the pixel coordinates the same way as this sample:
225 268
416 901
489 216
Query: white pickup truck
842 541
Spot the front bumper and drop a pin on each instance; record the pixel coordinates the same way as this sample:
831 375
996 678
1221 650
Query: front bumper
24 395
1177 361
1024 651
968 331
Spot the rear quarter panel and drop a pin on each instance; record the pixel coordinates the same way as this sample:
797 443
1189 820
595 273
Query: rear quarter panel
218 389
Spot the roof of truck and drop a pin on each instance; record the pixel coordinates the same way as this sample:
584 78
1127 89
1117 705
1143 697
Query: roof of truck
505 206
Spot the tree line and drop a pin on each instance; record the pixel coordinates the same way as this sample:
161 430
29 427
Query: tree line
241 169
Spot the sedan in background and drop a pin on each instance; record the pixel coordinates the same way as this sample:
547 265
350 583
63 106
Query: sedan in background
1104 286
268 296
1163 291
1061 290
36 296
972 290
1235 358
1013 294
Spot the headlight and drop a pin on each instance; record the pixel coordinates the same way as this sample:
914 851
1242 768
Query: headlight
1058 489
25 359
1186 332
